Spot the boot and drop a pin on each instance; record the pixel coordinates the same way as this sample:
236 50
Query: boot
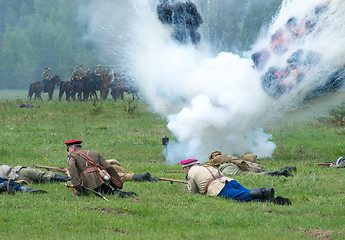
289 169
25 189
59 178
262 194
144 177
7 186
125 194
284 173
281 201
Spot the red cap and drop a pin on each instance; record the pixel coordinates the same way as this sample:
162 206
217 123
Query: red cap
73 142
188 162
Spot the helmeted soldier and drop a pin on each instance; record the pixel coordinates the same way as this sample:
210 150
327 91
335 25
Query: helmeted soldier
84 165
208 180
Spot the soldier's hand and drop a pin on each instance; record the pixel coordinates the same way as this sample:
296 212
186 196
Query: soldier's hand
127 194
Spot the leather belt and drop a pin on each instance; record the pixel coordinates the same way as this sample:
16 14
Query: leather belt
87 170
211 181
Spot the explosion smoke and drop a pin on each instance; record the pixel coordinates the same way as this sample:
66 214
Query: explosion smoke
219 102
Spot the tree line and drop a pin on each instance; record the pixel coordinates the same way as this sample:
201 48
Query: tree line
35 34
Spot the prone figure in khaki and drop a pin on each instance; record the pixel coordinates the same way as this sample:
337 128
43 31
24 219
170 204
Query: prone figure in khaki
208 180
127 176
26 175
247 164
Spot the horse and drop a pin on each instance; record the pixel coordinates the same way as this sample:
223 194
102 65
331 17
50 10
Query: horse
105 81
121 87
78 89
90 86
37 87
66 87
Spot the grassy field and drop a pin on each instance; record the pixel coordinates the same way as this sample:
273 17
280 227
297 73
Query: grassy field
132 134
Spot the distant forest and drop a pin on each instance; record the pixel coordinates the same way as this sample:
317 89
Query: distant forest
35 34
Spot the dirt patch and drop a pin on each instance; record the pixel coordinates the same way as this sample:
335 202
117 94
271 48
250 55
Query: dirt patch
108 210
317 233
122 231
135 200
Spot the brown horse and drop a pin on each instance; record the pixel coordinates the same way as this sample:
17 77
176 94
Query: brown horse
105 84
121 87
37 87
67 88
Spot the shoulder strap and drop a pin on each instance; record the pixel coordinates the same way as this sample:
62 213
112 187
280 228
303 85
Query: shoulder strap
86 157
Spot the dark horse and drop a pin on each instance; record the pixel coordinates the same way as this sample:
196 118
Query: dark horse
84 88
37 87
90 83
66 87
121 87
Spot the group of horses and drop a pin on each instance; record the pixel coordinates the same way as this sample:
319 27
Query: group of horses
86 88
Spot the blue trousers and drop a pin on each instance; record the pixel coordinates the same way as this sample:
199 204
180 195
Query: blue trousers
236 191
16 186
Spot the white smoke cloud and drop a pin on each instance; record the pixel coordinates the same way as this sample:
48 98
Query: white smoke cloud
210 102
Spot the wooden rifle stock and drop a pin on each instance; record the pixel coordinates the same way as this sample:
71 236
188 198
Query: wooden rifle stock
55 169
171 180
322 164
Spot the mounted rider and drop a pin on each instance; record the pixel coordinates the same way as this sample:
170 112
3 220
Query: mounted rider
45 78
98 70
75 77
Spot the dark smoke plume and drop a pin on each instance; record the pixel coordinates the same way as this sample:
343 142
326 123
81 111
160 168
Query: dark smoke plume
184 19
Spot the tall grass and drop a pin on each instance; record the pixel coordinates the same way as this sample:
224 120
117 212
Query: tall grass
162 210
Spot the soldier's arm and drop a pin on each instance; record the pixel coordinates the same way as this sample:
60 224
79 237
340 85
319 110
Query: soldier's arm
107 166
73 171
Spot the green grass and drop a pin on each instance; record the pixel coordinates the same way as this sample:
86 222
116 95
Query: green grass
162 210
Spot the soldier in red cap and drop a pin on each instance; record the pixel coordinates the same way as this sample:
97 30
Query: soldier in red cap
84 165
208 180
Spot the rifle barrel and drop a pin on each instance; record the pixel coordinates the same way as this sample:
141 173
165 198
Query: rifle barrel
171 180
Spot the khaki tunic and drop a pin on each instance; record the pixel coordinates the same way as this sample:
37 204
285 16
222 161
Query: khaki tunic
340 165
77 164
198 178
25 175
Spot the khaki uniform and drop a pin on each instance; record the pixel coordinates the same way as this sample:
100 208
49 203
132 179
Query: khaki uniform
98 71
46 75
25 175
123 173
199 176
75 75
88 72
234 166
340 165
77 164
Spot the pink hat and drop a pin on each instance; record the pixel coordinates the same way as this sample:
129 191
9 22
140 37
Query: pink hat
188 162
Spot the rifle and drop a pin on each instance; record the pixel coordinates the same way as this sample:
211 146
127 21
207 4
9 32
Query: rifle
173 171
54 169
171 180
322 164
